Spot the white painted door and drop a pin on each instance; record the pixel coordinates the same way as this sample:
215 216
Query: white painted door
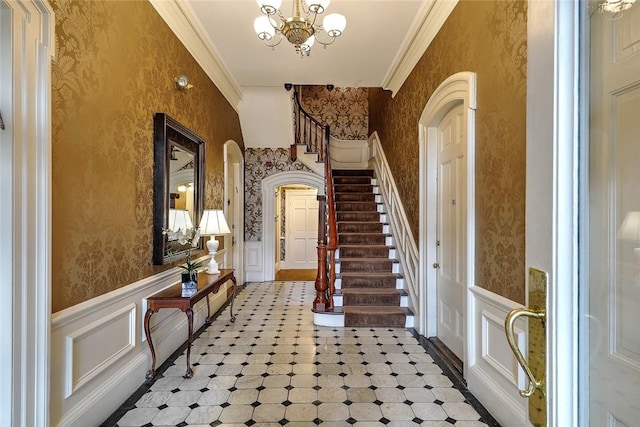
613 341
301 226
451 230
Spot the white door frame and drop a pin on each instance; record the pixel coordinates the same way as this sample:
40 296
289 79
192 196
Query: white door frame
269 186
26 109
234 162
457 89
553 135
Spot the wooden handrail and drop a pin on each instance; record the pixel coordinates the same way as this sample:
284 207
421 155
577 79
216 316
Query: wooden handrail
316 137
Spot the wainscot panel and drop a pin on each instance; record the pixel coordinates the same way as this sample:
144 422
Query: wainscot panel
492 372
99 355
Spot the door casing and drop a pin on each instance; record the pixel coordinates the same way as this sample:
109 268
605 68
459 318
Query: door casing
458 88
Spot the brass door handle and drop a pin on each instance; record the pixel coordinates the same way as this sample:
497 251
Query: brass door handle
509 322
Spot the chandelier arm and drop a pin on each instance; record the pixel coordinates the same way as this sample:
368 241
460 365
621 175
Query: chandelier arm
266 42
333 39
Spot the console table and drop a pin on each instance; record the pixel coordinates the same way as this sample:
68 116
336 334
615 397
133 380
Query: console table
172 298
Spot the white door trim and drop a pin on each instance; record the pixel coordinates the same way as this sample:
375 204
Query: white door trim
553 132
233 156
456 89
269 185
28 130
287 263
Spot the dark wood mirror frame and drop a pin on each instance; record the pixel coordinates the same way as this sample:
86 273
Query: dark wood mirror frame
167 132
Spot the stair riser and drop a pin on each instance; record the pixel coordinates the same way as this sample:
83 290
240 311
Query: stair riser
360 227
360 188
374 320
383 265
357 206
365 252
355 197
361 239
351 180
381 282
364 300
357 216
352 172
338 301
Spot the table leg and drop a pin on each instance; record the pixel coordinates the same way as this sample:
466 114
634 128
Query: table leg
233 297
189 314
147 333
208 319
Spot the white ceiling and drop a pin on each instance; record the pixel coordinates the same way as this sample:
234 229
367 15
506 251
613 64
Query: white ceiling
361 57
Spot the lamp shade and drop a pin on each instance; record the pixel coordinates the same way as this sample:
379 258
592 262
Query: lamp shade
213 223
334 24
630 229
264 27
306 46
179 220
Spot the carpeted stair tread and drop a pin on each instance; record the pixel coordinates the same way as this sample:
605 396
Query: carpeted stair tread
374 316
367 251
371 297
353 172
356 206
362 238
355 197
355 215
365 265
360 227
362 279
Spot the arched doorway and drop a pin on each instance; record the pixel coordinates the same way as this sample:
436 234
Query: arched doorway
269 186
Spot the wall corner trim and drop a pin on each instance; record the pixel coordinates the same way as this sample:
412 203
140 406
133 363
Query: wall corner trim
426 25
189 30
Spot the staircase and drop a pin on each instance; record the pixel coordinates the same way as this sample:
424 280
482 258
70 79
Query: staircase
368 285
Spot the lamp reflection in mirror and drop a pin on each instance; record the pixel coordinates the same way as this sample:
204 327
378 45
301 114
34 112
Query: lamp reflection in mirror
179 220
213 223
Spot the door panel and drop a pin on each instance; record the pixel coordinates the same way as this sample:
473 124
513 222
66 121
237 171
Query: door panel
451 230
613 344
301 229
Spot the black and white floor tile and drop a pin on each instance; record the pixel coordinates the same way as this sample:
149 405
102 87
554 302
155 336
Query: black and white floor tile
273 367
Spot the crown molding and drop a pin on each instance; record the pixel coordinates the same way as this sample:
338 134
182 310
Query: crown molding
189 30
424 29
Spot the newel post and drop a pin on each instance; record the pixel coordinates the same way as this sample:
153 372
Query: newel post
320 302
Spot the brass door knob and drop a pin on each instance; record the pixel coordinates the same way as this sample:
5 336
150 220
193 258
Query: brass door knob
436 265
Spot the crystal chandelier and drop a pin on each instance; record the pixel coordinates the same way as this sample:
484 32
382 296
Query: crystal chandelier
300 29
615 7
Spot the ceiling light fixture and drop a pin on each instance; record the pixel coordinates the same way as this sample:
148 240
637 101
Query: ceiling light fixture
615 7
300 29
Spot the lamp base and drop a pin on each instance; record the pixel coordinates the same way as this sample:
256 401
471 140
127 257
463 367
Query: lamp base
212 245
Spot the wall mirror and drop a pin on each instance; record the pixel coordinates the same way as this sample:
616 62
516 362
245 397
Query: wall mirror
178 185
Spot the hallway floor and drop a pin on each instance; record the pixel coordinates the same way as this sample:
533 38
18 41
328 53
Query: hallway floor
273 367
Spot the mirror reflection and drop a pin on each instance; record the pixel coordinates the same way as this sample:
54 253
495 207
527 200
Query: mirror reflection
178 189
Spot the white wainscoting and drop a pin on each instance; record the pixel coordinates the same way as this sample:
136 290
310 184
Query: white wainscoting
403 239
352 154
492 372
99 355
253 256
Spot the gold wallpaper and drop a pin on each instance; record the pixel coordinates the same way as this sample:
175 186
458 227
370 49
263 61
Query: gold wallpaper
490 39
345 109
115 65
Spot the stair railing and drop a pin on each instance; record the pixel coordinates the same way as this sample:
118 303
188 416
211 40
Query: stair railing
316 137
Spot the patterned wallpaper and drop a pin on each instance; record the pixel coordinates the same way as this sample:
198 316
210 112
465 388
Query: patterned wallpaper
490 39
346 110
259 164
115 65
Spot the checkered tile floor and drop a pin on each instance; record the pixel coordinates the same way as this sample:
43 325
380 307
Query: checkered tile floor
273 367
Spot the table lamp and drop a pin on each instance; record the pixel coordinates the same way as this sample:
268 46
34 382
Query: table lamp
213 224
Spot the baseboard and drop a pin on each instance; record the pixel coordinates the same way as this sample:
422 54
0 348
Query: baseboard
448 357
